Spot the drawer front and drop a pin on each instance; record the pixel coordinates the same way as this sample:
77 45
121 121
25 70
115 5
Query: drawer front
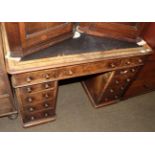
3 88
38 87
38 115
74 71
118 84
126 73
39 107
133 61
38 97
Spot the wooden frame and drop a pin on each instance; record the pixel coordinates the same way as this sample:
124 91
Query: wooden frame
115 30
21 44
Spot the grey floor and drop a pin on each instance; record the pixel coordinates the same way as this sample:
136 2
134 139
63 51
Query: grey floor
75 113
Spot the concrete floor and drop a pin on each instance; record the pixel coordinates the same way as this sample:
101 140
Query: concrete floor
75 113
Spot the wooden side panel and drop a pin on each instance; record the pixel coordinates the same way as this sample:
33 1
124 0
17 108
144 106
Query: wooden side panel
124 31
28 37
35 33
14 38
7 106
145 82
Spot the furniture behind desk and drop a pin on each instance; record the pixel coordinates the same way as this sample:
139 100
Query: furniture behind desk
7 104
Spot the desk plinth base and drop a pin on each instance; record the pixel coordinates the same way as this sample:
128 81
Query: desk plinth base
39 122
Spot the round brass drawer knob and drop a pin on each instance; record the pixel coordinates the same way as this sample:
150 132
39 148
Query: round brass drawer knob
46 105
29 79
30 99
140 60
29 89
133 70
46 114
46 95
111 90
47 86
128 62
70 72
32 118
122 88
31 109
128 80
47 76
117 82
124 72
112 65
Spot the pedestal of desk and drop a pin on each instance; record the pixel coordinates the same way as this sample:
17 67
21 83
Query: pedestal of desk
37 103
108 88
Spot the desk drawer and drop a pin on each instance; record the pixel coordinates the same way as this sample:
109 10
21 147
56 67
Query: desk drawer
30 78
126 73
109 87
39 107
38 87
119 84
38 97
42 115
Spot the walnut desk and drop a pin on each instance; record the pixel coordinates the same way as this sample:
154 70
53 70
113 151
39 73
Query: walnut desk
111 65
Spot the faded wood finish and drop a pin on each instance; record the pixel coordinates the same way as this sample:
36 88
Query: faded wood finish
28 37
36 89
129 31
37 106
35 78
109 88
66 72
7 106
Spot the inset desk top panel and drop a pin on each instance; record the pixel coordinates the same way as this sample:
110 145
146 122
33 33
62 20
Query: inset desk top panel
84 44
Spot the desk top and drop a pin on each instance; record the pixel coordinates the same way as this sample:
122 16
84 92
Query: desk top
84 44
75 51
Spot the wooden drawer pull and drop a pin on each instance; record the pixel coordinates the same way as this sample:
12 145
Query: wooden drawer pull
30 99
140 60
133 70
128 80
46 105
29 79
32 118
111 90
31 109
124 72
46 114
70 72
47 76
122 88
117 82
47 86
46 95
112 65
29 89
128 62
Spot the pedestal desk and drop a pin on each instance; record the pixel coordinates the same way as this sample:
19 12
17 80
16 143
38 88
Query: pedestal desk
108 65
